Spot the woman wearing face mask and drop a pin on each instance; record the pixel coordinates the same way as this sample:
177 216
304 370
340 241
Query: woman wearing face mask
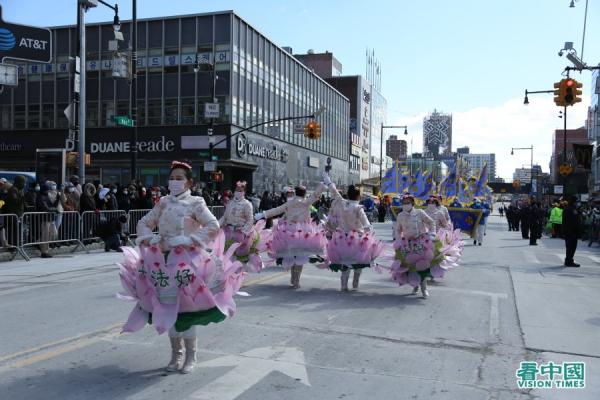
419 254
352 245
435 213
296 239
237 224
176 282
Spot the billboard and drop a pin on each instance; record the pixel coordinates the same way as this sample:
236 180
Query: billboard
24 42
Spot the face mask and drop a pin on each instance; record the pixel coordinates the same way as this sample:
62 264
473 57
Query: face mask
53 187
37 188
114 190
431 206
288 198
69 190
238 195
125 192
176 187
407 207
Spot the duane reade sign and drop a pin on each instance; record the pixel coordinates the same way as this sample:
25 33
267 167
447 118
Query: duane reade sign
151 146
24 42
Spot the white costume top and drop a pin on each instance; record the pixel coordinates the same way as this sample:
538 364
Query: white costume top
413 224
181 220
297 209
334 215
238 215
437 215
444 210
350 215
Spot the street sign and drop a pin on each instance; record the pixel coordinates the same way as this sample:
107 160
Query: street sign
76 82
203 154
299 128
565 169
9 74
120 66
24 42
123 120
558 189
211 110
210 166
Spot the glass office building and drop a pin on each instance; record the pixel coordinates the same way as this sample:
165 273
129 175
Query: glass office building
254 81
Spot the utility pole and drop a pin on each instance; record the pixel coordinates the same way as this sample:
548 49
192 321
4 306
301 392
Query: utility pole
565 149
134 103
82 79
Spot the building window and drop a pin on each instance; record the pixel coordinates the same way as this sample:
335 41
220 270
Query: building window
91 113
19 117
48 116
171 113
187 111
5 116
34 116
141 113
108 110
154 112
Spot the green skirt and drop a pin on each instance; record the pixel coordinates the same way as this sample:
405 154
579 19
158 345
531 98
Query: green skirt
186 320
340 267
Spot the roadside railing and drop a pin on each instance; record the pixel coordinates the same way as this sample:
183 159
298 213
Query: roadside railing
45 229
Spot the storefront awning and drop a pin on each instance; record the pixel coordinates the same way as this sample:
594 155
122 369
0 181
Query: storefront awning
237 164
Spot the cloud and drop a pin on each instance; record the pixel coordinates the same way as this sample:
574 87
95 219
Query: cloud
497 129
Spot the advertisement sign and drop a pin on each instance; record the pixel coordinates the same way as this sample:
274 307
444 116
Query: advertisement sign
24 42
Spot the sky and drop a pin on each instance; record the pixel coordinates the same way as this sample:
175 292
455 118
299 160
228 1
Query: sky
471 58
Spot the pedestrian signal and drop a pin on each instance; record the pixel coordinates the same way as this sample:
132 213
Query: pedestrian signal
312 130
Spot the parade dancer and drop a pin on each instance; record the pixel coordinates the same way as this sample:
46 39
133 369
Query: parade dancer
295 237
436 213
352 245
176 283
444 210
419 253
237 224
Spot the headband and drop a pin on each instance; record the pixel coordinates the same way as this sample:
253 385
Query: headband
180 164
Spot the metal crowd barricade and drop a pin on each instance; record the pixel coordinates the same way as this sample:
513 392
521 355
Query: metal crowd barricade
134 216
91 221
47 228
217 211
11 234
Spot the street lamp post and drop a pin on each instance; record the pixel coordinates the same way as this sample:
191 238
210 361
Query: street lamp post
134 103
82 7
381 146
512 152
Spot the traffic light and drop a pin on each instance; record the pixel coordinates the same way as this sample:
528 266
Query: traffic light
571 91
559 99
312 130
577 91
569 95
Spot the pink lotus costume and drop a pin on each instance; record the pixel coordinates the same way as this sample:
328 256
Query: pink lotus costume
175 281
419 251
238 226
295 237
352 245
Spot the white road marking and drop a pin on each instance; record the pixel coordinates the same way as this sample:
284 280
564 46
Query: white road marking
250 368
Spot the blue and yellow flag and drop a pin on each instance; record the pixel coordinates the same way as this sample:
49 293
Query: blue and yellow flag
481 186
448 187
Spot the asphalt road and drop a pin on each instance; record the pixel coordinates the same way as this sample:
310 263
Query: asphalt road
507 302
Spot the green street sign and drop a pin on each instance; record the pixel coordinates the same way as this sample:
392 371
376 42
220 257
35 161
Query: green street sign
215 158
203 154
123 120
